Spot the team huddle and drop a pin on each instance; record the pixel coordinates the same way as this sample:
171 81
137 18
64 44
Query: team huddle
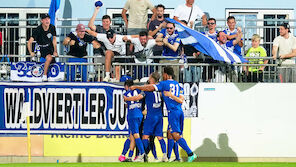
154 92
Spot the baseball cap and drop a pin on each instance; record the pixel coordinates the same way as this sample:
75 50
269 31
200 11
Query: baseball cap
110 33
286 26
80 27
45 16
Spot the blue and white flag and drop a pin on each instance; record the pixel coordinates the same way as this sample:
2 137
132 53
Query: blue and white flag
205 44
54 6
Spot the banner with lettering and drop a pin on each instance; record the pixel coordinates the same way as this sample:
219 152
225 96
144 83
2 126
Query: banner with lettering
72 108
33 71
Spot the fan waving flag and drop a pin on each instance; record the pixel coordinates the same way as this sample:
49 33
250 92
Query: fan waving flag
54 6
205 44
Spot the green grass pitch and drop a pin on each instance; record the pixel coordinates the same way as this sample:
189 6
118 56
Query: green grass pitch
172 164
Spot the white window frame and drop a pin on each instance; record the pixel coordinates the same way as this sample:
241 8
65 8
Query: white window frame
23 16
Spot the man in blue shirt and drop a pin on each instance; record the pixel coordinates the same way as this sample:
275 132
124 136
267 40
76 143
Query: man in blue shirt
232 33
134 119
170 40
173 98
153 124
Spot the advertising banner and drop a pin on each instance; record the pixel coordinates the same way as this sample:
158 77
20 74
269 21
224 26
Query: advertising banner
33 71
63 108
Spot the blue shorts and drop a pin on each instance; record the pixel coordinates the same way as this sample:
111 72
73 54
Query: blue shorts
153 126
176 121
134 125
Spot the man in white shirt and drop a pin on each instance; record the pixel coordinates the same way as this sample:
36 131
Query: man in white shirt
284 48
115 45
143 49
188 13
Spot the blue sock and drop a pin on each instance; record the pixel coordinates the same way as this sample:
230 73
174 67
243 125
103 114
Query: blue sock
146 145
131 153
162 145
176 151
153 150
184 145
140 146
126 146
170 147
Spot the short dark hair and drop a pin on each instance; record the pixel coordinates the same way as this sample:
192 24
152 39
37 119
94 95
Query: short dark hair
218 33
129 83
230 17
143 33
171 23
286 26
212 19
169 70
106 17
160 6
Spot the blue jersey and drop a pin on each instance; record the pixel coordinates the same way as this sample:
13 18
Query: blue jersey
176 89
212 36
237 49
153 103
174 38
134 107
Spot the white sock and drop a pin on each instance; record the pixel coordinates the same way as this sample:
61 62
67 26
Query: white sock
107 74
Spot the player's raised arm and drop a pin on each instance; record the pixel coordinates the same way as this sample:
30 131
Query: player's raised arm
179 99
148 88
133 98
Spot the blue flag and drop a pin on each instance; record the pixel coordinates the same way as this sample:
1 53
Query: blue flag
54 6
205 44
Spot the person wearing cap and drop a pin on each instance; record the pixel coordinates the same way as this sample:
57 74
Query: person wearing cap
77 41
45 37
115 45
284 48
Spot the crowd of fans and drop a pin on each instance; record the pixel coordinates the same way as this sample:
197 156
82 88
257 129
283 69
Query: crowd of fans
159 37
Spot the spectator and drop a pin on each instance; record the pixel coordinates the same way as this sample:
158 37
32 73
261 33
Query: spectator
255 73
224 43
78 42
189 12
155 26
115 45
143 49
170 40
284 48
99 54
138 15
212 33
45 37
231 34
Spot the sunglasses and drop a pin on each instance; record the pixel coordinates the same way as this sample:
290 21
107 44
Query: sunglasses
170 28
211 23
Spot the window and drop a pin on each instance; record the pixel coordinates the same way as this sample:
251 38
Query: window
261 22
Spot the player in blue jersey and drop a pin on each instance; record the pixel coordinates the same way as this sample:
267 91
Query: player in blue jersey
173 98
153 123
134 119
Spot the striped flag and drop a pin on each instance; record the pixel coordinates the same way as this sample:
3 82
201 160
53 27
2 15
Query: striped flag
205 44
54 6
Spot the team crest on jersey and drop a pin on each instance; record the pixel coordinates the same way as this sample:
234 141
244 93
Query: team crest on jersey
49 35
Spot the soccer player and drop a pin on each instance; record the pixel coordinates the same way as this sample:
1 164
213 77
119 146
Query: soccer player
134 119
153 124
173 99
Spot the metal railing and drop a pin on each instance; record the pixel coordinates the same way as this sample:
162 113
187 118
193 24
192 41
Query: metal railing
15 40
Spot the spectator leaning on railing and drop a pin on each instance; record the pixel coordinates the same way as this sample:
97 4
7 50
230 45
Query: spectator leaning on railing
45 37
284 48
255 73
78 42
170 40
